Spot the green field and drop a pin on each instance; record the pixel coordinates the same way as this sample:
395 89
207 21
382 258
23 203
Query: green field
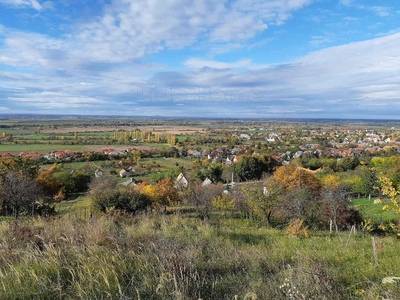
374 211
40 148
80 206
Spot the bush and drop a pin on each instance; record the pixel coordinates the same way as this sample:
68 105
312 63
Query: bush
105 194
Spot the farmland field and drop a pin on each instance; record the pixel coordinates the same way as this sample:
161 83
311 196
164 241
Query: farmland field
155 129
40 148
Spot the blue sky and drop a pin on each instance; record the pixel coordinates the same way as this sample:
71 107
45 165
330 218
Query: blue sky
203 58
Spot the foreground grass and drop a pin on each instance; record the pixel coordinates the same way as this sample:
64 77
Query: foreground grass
175 257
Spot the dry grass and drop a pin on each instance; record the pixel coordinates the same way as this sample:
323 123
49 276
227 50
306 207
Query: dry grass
173 257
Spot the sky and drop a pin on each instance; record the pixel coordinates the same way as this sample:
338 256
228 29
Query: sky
203 58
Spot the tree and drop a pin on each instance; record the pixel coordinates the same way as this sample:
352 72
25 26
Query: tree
224 202
334 196
105 195
250 167
24 167
347 163
18 194
300 190
72 182
388 189
262 199
161 194
291 177
214 172
49 185
18 189
201 198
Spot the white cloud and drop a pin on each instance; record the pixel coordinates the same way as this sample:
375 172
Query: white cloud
357 75
22 4
128 30
346 2
103 63
197 63
56 100
382 11
345 79
319 40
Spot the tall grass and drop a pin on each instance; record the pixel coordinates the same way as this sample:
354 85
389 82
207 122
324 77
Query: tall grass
175 257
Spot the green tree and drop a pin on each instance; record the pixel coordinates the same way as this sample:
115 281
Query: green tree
224 203
214 172
251 167
106 195
262 199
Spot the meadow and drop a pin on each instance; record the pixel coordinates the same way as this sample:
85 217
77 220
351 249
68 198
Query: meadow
81 254
373 211
175 256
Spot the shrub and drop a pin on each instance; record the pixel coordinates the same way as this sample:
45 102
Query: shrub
296 228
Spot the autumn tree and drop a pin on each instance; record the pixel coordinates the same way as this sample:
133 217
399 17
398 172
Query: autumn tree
335 202
224 203
300 193
49 185
24 167
161 194
389 166
291 177
388 189
201 198
261 199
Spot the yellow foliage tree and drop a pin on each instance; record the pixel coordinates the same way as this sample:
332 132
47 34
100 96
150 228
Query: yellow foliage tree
387 189
330 181
161 194
224 203
291 177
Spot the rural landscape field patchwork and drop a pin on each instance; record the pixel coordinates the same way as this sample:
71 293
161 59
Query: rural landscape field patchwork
200 150
117 208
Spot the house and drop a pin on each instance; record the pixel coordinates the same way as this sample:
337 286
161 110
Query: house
194 153
181 182
125 173
218 159
129 182
60 155
108 151
244 136
207 181
98 173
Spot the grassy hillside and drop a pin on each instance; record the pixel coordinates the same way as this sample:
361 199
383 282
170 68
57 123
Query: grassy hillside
374 211
177 257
